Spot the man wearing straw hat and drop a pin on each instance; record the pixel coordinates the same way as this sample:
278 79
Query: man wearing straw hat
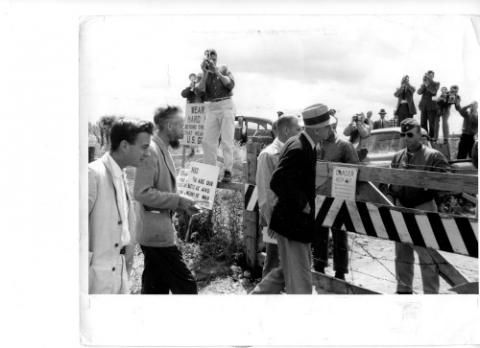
293 216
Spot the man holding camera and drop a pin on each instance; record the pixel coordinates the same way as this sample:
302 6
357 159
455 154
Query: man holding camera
189 91
427 106
444 102
358 128
216 87
405 106
469 129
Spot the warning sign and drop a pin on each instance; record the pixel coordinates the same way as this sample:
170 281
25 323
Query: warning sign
194 122
199 183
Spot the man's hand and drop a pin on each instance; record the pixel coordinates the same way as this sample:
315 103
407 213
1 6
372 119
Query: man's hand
187 205
307 209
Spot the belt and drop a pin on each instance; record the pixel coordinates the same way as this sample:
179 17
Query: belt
122 251
403 102
218 99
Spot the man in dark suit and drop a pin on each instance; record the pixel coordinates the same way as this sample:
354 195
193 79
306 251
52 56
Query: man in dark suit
382 122
293 216
428 107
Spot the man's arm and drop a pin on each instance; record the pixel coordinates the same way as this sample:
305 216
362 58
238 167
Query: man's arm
187 92
225 77
422 89
433 88
363 129
147 194
350 154
348 130
398 92
285 178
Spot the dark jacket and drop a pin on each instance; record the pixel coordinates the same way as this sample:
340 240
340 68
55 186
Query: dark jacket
191 96
426 103
406 94
294 184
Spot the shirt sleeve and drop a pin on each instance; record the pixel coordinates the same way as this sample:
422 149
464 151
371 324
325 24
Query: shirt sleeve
266 197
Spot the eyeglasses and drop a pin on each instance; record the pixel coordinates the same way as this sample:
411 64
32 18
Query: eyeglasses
410 135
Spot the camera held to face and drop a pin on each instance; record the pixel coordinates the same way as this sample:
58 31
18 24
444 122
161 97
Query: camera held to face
208 63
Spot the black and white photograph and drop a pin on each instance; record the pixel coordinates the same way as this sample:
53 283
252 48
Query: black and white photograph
299 175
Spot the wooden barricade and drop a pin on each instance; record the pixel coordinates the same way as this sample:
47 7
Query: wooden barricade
372 214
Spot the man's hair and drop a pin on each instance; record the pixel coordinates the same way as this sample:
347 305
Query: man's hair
285 121
128 129
431 72
164 114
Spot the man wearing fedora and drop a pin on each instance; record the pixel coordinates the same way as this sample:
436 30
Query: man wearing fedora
293 216
382 122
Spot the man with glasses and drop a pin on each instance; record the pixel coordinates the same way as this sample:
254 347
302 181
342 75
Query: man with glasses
415 156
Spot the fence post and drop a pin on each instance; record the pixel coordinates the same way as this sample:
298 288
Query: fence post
250 218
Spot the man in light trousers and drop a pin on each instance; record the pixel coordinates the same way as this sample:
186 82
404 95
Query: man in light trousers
216 88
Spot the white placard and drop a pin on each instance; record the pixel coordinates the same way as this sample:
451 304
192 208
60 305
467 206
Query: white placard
194 122
199 182
344 182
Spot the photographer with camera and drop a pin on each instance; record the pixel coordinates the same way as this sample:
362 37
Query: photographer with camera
189 91
469 129
427 106
444 102
358 128
405 106
216 87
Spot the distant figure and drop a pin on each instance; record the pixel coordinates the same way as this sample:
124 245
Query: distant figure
189 92
357 129
405 106
469 129
427 106
444 102
368 119
280 114
382 122
92 143
415 156
216 87
110 211
105 124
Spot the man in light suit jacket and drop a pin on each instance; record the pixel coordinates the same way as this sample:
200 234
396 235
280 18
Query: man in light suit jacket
110 212
155 188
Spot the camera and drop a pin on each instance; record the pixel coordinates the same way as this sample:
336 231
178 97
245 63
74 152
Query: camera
451 98
355 118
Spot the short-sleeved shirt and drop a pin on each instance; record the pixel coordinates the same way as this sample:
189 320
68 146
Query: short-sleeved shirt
470 122
215 89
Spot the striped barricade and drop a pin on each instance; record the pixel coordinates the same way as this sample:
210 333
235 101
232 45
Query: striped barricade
455 234
251 197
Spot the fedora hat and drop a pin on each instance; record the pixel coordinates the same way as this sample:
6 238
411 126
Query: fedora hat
317 116
382 112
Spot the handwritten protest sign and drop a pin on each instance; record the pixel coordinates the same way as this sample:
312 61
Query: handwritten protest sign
194 122
199 183
344 182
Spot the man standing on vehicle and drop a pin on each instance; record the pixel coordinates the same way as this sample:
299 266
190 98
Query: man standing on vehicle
332 149
216 87
428 107
415 156
285 127
469 129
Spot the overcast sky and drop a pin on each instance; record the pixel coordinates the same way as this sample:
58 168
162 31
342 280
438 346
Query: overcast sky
131 65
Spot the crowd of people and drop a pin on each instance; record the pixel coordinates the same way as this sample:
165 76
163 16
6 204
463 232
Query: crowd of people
285 178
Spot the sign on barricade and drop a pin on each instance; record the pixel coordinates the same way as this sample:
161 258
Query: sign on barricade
194 122
199 182
344 182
